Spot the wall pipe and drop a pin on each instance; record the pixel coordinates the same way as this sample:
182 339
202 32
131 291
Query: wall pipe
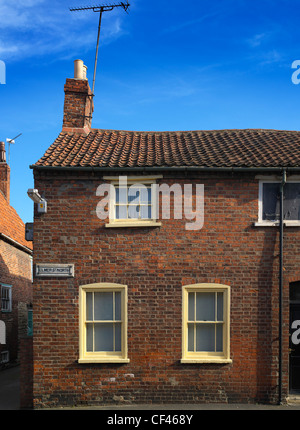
281 225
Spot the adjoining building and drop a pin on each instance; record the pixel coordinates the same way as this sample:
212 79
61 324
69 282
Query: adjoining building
15 272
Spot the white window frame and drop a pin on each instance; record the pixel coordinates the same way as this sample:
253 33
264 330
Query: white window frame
223 357
133 180
8 301
267 223
105 356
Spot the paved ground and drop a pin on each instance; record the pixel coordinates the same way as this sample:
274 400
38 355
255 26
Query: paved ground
10 400
10 388
190 407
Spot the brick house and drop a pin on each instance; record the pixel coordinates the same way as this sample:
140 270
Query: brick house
15 271
144 305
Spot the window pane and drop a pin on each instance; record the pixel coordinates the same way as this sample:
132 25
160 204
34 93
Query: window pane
191 304
271 201
219 306
134 212
133 195
121 212
103 306
291 201
146 212
117 191
205 306
121 195
205 337
118 337
89 306
191 346
146 195
117 306
219 340
89 337
104 336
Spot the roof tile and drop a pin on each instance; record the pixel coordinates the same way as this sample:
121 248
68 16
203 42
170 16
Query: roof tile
216 148
11 224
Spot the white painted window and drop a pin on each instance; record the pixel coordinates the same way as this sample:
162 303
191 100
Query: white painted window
269 203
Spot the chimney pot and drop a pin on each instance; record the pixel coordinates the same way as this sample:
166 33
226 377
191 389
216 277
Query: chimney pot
79 70
84 72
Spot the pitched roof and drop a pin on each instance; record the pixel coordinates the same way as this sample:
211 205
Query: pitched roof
11 225
218 148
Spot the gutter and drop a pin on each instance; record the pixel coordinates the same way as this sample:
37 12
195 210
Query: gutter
16 244
283 182
167 168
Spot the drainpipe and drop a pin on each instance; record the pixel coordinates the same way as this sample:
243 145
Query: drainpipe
283 182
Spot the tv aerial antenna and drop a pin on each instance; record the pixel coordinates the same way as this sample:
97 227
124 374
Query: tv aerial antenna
10 141
100 9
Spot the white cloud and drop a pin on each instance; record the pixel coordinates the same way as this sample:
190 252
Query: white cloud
256 40
182 25
37 27
263 39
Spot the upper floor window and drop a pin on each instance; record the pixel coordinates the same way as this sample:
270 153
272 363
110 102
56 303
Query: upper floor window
6 298
133 202
269 203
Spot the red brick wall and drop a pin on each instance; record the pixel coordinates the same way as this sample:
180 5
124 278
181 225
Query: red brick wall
155 263
15 270
78 105
26 373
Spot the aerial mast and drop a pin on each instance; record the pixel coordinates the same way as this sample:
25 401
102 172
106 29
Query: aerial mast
100 9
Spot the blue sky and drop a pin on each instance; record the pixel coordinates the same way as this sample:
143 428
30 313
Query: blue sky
167 65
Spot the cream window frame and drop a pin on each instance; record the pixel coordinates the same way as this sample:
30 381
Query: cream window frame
133 180
189 357
103 356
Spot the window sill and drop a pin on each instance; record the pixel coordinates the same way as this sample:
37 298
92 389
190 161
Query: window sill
103 360
276 224
133 224
206 360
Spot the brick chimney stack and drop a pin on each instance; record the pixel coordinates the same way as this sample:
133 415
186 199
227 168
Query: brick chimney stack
4 173
79 105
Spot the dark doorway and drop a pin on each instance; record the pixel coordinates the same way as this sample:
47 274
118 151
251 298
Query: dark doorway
295 338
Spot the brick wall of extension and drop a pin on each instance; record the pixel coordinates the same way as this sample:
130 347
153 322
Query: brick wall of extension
15 270
155 263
